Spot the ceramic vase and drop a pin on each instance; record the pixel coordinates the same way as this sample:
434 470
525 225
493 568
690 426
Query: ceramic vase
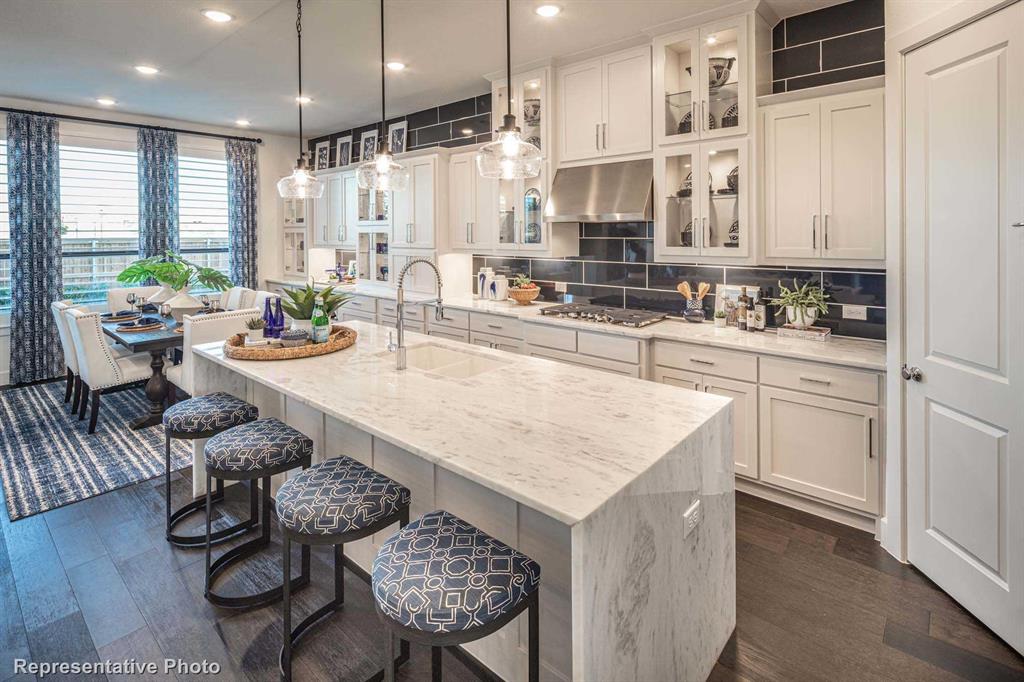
801 318
164 294
184 304
694 310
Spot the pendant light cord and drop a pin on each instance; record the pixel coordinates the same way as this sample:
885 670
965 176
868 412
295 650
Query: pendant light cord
508 54
298 32
382 69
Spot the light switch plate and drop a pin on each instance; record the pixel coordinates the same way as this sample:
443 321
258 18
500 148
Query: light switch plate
561 287
855 312
691 518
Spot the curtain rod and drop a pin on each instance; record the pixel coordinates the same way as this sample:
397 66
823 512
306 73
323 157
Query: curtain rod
125 124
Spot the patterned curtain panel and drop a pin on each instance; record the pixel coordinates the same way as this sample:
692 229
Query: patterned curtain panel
242 187
33 175
158 192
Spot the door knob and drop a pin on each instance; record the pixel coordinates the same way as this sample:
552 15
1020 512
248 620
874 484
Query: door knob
911 373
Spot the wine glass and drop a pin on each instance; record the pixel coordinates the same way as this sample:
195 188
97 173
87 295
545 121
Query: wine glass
205 300
131 298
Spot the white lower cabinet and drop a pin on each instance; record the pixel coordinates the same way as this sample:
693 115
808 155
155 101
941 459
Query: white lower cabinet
505 343
744 418
450 334
604 352
822 447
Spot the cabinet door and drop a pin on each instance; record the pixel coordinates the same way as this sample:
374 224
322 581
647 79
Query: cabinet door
507 229
335 193
677 377
823 447
725 182
530 208
744 420
626 125
322 217
484 227
677 214
853 176
792 168
350 202
461 200
676 88
724 62
580 110
421 218
401 214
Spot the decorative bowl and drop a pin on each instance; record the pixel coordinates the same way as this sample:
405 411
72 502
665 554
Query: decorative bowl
718 70
292 338
733 179
523 296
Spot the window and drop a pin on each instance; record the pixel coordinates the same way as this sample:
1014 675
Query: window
203 207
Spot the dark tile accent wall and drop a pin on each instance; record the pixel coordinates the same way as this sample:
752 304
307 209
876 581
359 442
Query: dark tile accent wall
838 43
614 269
465 122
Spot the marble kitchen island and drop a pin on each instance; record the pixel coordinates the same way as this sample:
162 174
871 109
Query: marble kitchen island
588 473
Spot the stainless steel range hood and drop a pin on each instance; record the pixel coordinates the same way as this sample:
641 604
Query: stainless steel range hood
606 192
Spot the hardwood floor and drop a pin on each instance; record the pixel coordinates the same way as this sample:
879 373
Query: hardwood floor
817 601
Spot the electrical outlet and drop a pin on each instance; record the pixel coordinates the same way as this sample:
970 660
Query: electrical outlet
691 518
561 287
855 312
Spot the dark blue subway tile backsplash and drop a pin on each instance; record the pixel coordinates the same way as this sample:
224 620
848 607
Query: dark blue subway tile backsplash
614 269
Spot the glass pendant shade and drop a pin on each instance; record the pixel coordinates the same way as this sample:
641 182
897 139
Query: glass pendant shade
382 173
509 157
301 184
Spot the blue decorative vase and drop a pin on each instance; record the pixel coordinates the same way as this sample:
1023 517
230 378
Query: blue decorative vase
694 310
278 319
268 320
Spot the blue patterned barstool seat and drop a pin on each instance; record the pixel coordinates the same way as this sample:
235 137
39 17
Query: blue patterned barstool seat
253 452
443 582
203 417
336 501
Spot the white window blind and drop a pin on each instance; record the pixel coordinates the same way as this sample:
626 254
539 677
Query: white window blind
203 209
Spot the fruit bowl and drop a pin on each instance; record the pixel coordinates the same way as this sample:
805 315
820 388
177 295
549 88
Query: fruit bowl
523 296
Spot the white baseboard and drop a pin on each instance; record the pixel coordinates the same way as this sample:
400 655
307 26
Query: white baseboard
861 521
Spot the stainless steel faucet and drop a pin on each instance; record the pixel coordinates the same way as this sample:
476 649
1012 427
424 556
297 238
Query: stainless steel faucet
438 315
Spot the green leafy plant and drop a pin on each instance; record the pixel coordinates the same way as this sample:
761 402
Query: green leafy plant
720 314
255 323
174 271
302 302
801 297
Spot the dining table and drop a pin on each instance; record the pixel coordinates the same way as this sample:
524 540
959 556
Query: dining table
155 342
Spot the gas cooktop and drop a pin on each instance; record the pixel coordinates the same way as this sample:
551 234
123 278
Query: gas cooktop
627 317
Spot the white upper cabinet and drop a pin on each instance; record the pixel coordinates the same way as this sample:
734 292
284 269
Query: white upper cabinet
334 222
420 207
294 212
350 210
701 83
472 205
605 106
531 104
824 178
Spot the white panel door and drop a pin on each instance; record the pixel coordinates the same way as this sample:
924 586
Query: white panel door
964 203
626 128
792 201
484 228
461 200
350 192
580 110
421 221
853 177
677 377
321 217
335 193
744 420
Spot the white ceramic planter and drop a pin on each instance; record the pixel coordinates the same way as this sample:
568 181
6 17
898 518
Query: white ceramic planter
162 296
801 318
184 304
304 325
720 322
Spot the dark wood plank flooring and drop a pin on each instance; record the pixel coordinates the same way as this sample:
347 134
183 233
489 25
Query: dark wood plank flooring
817 601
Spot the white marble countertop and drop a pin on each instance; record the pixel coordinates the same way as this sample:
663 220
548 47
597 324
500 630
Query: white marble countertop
848 352
557 439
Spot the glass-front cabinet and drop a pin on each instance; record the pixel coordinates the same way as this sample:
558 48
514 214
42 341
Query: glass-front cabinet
373 257
702 76
530 104
521 223
374 208
703 205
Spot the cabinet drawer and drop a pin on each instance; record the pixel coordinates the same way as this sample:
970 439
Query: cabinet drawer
677 377
615 348
418 327
496 324
356 315
456 319
365 304
820 379
600 364
504 343
451 334
411 312
548 336
723 363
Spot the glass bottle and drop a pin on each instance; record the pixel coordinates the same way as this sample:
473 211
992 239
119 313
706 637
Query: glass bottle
268 319
278 319
320 323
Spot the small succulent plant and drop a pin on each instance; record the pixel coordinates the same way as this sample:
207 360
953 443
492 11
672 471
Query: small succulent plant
255 323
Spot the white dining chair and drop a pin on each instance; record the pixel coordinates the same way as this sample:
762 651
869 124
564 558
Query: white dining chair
100 368
74 382
259 300
117 299
237 298
200 329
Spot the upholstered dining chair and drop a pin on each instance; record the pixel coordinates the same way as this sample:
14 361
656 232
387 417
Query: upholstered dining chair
117 299
237 298
261 297
100 368
74 382
201 329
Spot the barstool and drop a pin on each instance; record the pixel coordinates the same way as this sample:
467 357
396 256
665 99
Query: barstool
442 582
336 501
253 452
204 417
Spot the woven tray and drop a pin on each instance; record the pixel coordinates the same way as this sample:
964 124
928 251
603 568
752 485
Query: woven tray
340 339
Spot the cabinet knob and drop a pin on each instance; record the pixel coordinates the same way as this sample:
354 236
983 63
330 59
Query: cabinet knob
911 373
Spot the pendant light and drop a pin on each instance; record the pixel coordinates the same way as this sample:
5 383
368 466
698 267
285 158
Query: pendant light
509 156
301 184
382 173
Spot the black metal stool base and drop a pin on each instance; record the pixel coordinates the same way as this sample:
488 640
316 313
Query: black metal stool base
215 568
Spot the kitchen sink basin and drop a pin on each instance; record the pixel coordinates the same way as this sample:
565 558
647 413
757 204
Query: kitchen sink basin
447 362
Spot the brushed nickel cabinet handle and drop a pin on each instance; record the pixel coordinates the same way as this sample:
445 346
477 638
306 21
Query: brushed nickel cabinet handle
871 444
701 361
814 231
816 380
597 136
604 136
826 231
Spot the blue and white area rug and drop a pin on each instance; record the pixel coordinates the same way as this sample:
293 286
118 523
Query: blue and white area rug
48 460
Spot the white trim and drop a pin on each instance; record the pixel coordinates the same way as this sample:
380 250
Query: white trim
840 88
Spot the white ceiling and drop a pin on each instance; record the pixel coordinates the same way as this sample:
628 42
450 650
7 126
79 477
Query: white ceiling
72 51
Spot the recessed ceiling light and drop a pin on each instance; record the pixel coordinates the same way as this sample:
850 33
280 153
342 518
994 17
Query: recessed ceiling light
302 99
712 152
243 122
105 101
146 69
217 16
396 66
548 10
467 131
712 40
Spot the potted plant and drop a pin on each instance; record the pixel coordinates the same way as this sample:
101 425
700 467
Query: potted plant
253 325
802 303
302 301
523 290
720 318
176 276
